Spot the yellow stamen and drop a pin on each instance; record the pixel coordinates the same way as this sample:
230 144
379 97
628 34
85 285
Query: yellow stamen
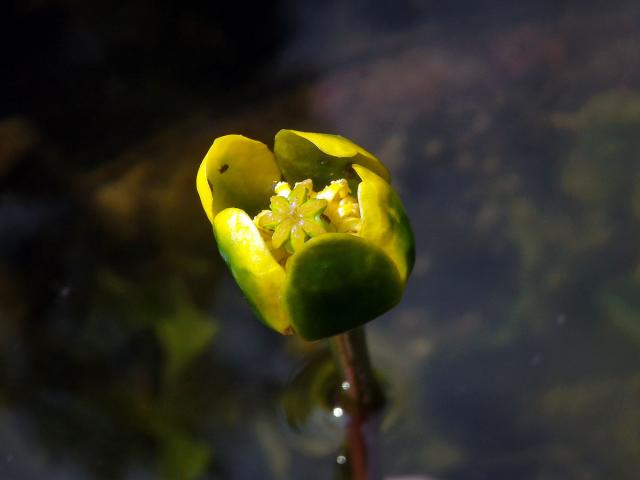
298 214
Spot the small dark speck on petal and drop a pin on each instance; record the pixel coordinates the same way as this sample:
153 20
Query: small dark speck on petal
223 168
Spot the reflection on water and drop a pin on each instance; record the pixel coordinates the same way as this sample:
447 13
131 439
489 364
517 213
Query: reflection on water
126 352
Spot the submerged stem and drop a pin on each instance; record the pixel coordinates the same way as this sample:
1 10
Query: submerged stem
363 399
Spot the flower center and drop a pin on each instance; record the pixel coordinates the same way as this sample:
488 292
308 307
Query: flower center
298 214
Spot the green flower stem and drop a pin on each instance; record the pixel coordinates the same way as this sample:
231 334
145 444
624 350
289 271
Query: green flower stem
362 399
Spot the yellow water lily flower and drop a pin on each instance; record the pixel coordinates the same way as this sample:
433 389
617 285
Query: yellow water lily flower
313 233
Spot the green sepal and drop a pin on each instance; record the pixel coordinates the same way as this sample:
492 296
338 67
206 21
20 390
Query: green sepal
337 282
236 172
259 276
384 220
322 158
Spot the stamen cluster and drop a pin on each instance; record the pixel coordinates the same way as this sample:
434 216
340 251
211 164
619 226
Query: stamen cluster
298 214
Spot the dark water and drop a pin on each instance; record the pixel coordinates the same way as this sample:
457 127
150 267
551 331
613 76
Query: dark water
512 132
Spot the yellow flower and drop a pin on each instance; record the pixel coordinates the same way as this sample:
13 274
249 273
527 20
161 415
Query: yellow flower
317 263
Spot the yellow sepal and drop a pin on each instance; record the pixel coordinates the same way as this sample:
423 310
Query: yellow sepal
236 172
322 158
384 221
259 276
